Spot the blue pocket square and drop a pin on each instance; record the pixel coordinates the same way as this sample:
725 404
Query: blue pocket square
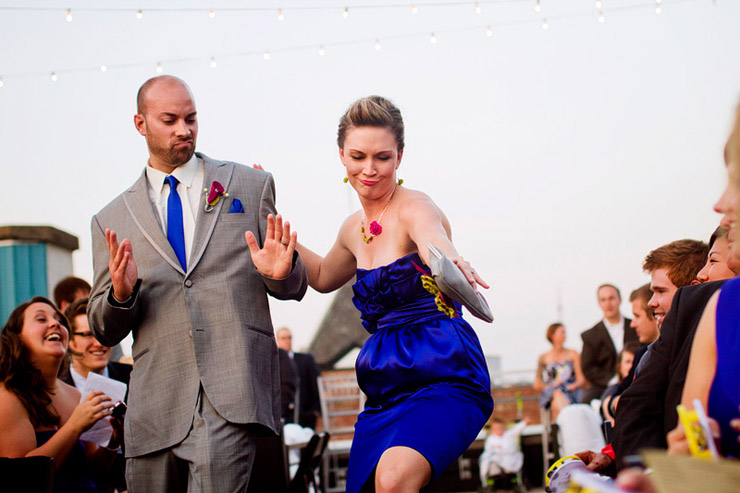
236 206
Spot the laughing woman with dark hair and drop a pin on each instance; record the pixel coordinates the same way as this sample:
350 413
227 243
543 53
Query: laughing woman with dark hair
41 415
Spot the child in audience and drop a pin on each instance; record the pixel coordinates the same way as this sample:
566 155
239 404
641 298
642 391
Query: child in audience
501 454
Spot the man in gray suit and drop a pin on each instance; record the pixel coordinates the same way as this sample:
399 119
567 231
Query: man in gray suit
205 379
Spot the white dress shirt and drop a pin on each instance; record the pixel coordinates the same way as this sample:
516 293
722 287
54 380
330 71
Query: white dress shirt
616 332
190 177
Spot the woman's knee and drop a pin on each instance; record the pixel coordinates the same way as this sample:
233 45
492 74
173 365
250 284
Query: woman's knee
401 470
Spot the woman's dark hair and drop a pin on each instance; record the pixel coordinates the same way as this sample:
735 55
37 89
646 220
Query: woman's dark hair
17 372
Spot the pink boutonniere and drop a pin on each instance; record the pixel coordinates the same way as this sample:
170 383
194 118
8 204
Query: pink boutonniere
217 191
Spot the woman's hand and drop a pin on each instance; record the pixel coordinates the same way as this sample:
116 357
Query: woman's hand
470 274
572 386
678 444
96 406
275 258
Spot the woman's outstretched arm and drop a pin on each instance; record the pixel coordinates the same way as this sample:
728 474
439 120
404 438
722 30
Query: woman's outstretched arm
329 273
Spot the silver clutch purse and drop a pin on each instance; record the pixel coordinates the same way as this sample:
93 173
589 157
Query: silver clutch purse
451 281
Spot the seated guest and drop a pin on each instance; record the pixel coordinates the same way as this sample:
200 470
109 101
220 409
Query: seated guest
87 354
603 342
670 267
308 403
646 326
71 289
41 415
501 454
626 358
559 377
647 410
714 366
288 387
721 263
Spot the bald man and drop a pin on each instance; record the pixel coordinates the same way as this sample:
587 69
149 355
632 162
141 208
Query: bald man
205 380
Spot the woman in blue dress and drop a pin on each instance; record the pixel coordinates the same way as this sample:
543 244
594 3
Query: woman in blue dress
714 365
422 369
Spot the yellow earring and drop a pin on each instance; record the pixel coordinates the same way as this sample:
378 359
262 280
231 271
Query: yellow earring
400 181
345 180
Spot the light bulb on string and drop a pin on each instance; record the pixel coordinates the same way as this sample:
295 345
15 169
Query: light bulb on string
345 12
211 13
377 45
433 39
414 9
213 62
545 25
478 10
104 68
280 15
139 14
159 68
489 31
537 6
1 82
266 55
322 51
54 77
598 4
601 17
68 16
658 8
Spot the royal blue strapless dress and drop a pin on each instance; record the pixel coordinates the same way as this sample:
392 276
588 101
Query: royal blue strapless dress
424 373
724 395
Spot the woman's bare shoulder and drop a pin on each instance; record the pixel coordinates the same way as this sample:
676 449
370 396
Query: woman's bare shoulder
13 410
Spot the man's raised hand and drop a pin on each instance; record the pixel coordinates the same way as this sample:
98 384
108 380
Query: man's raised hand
122 268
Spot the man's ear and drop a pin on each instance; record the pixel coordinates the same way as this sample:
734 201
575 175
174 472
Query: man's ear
140 124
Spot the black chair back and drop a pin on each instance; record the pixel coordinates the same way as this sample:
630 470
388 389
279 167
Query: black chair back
311 456
27 474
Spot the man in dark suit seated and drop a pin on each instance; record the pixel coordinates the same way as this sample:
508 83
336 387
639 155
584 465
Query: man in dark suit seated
307 397
603 341
647 409
87 354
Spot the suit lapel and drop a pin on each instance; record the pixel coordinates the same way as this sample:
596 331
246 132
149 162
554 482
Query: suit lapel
142 211
607 337
205 223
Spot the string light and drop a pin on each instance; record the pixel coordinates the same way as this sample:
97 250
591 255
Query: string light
545 25
69 15
598 4
658 8
414 9
478 10
537 6
211 13
433 39
54 77
322 51
1 82
104 68
213 62
159 68
280 15
139 14
601 17
489 31
266 55
345 12
377 45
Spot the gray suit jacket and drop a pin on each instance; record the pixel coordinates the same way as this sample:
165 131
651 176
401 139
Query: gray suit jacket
208 326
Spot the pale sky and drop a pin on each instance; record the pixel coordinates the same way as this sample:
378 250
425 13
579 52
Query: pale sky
561 156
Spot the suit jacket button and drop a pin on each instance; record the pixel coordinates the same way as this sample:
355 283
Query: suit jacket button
188 283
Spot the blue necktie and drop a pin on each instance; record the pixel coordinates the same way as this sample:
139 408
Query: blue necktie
175 230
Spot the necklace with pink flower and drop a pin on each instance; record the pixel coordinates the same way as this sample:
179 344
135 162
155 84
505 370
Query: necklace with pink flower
375 228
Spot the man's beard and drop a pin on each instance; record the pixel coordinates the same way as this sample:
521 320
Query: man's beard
172 155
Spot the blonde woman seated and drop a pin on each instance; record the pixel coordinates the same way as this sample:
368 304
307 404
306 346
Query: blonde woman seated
559 377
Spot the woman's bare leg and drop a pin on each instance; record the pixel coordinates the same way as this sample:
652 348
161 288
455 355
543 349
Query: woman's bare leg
401 470
558 402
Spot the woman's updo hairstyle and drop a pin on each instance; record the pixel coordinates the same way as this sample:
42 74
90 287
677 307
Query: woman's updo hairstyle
372 111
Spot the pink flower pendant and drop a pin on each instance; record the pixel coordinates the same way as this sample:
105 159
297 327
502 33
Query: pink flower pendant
375 228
